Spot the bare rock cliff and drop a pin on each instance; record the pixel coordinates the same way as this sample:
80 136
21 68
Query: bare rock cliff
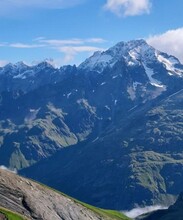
38 202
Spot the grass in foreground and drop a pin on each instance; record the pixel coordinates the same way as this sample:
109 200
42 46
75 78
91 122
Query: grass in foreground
106 213
10 215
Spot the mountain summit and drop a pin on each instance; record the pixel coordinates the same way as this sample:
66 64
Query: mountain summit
133 53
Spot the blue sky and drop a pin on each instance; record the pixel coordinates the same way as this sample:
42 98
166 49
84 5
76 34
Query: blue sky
68 31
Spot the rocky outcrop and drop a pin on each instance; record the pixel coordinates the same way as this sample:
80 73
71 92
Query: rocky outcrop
39 202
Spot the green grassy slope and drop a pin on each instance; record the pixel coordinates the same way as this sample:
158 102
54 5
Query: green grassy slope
104 213
108 214
10 215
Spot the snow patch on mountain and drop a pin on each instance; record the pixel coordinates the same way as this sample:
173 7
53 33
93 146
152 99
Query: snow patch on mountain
69 94
152 80
130 63
24 75
170 64
97 62
134 54
31 115
135 85
132 108
107 107
131 92
114 77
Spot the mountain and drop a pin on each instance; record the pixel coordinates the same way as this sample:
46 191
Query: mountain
29 200
21 77
113 125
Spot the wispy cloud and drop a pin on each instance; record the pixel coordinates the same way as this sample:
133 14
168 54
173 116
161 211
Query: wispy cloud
73 41
39 3
72 47
95 40
128 7
27 46
170 42
142 210
71 51
3 44
17 7
57 43
79 49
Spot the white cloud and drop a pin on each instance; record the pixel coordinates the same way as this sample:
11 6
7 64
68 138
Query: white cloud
128 7
71 51
68 48
74 41
73 47
170 42
139 211
54 43
57 43
27 46
96 40
10 170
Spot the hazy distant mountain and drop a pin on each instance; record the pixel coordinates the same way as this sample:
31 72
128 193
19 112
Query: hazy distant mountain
121 110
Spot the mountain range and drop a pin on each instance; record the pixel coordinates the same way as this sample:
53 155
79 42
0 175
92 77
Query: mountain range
108 132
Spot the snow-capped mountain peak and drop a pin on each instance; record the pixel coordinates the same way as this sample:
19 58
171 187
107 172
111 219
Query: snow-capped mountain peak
13 69
132 52
99 61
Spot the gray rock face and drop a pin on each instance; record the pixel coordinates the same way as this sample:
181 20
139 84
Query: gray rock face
38 202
